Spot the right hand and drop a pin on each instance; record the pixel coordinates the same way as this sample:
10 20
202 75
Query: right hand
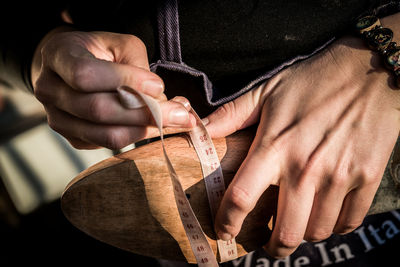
327 126
77 81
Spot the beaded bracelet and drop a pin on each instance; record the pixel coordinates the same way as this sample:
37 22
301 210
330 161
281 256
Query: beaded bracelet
379 39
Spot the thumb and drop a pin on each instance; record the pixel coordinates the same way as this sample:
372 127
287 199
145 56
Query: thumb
234 115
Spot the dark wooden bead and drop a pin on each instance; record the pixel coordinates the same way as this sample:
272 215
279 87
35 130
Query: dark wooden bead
392 47
392 60
380 38
367 23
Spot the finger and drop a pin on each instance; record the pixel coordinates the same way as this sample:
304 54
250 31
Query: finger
106 108
325 211
294 207
75 142
260 168
335 179
359 199
83 72
235 115
355 208
109 136
178 116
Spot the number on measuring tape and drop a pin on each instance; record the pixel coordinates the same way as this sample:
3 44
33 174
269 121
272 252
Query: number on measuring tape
203 138
209 151
215 188
204 260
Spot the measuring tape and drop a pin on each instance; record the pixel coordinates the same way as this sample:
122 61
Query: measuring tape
212 174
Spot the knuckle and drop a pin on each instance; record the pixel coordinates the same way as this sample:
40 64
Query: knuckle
229 228
338 181
42 92
307 176
265 148
234 112
370 178
53 124
274 146
97 109
347 227
114 139
278 253
240 199
136 42
75 144
289 240
182 100
266 145
370 173
48 47
318 235
82 74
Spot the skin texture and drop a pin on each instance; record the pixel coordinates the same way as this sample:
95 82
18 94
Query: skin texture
326 126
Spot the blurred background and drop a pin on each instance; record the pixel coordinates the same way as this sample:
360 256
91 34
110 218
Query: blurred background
36 164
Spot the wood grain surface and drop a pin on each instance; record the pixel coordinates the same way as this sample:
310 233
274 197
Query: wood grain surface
127 200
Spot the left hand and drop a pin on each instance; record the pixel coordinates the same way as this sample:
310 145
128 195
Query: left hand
327 127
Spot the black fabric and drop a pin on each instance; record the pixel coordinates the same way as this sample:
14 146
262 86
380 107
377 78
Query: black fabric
234 42
132 17
374 244
231 41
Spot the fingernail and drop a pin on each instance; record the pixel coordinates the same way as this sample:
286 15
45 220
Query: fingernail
179 116
183 101
205 121
224 236
129 100
153 87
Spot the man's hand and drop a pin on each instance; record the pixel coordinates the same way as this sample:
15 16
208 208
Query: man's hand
327 127
76 77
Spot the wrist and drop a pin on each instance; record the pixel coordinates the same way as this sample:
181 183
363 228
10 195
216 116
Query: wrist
356 59
380 36
392 22
361 65
382 40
